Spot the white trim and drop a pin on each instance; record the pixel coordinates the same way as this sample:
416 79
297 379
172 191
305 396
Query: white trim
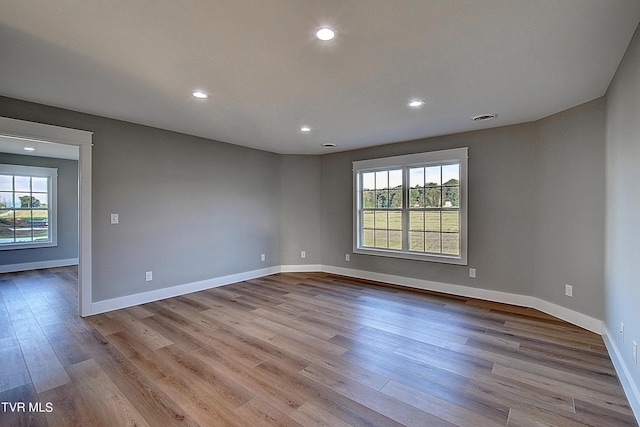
631 389
573 317
578 319
309 268
174 291
12 268
22 129
433 157
85 266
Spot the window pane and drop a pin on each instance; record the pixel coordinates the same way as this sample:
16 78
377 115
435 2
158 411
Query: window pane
416 220
395 220
395 198
395 239
381 219
7 226
416 177
381 239
40 224
23 183
395 178
6 200
451 174
23 235
432 242
416 241
368 181
367 237
416 197
367 219
382 199
450 222
382 180
433 176
450 197
23 217
39 185
433 197
451 243
432 221
39 200
6 183
369 199
22 200
23 225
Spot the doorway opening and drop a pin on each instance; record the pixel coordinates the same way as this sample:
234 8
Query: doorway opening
50 137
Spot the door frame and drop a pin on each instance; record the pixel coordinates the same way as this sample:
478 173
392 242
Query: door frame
25 130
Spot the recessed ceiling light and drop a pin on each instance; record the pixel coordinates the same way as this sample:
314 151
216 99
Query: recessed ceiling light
483 117
29 149
416 103
325 34
305 129
200 94
329 145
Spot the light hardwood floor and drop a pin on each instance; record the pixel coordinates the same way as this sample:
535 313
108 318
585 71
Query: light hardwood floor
296 349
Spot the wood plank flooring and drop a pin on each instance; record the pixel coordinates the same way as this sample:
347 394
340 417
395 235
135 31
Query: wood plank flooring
296 349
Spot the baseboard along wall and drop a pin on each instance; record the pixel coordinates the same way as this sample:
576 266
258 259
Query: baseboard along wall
592 324
14 268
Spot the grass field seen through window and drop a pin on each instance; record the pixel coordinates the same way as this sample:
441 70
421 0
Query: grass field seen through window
429 231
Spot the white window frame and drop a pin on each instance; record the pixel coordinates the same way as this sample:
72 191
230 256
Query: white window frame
443 157
52 205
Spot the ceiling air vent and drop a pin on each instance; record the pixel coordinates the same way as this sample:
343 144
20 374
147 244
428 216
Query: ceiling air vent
483 117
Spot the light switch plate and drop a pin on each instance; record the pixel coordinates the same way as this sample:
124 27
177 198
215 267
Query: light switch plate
114 218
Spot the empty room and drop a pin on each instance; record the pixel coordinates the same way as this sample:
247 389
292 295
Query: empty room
305 212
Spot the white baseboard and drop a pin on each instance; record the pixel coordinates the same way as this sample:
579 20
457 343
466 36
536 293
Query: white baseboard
300 268
578 319
13 268
174 291
631 389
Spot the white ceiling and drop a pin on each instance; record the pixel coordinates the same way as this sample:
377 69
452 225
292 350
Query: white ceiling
267 75
13 145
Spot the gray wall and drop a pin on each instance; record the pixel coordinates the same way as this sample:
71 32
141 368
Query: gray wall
193 209
570 208
190 209
622 250
536 216
301 209
67 212
501 210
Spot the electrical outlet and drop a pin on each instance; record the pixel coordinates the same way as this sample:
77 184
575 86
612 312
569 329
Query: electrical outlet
347 257
568 290
148 276
114 218
622 331
303 254
635 353
472 272
263 257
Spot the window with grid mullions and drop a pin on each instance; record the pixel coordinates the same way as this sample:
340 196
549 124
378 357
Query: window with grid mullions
27 207
412 206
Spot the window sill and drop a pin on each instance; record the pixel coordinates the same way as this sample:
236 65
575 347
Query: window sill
29 245
442 259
